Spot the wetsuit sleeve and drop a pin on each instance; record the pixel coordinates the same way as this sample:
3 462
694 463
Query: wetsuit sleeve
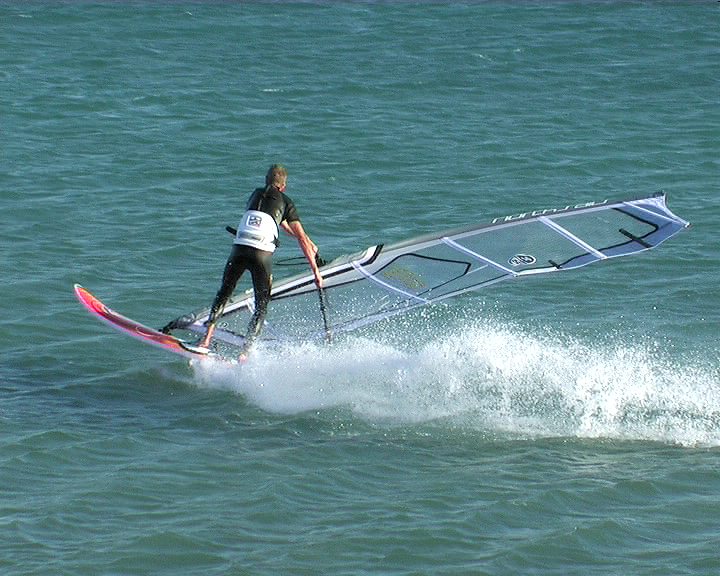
291 213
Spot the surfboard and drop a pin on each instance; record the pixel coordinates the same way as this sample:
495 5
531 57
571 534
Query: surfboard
137 330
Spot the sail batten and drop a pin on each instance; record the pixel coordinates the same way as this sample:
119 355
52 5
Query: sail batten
570 236
479 257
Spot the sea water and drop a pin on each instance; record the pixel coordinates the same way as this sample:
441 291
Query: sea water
568 424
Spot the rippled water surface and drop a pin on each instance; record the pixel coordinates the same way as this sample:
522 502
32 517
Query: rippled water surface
564 425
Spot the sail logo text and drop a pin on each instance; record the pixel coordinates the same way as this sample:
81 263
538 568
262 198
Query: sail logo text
546 212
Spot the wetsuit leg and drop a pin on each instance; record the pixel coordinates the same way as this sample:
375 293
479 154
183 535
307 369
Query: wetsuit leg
236 264
261 270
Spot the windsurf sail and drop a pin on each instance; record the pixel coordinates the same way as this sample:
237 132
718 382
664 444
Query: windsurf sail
383 281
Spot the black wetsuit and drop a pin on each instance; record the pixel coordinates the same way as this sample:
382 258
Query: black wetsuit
271 201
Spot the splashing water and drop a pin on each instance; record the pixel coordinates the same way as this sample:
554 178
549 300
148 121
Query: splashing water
498 380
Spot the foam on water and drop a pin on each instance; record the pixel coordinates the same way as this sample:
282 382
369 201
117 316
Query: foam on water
505 381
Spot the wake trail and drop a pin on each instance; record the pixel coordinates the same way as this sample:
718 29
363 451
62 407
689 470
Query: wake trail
496 380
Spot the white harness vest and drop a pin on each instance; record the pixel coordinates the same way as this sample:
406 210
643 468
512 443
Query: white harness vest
257 230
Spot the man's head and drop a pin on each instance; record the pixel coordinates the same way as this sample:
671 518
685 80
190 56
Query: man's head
276 176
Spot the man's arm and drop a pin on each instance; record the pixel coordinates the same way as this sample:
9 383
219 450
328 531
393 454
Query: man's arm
307 246
285 226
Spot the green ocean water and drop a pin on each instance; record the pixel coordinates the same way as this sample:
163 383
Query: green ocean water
564 425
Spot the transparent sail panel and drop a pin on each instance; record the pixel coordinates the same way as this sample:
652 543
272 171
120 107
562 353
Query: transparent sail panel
383 281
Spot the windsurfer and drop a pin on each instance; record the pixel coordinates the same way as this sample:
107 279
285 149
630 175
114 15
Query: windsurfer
268 209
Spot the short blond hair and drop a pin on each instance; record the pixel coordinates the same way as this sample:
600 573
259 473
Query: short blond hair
276 176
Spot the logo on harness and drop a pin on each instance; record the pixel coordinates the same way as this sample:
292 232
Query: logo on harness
254 220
